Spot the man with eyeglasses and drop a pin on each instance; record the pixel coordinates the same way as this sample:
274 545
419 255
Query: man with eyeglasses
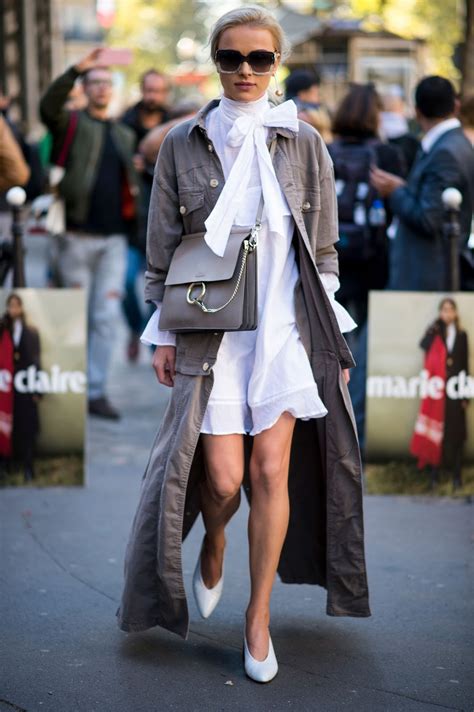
100 190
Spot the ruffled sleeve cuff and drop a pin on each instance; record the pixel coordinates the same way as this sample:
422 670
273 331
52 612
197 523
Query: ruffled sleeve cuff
331 285
153 335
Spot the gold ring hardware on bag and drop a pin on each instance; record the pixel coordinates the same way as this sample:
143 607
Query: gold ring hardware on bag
193 300
248 246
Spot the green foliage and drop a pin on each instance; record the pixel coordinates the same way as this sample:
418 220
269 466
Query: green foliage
55 471
440 23
152 29
404 478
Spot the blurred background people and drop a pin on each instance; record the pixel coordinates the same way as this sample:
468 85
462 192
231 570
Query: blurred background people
35 183
394 126
363 215
14 170
466 116
150 145
364 218
441 428
19 419
303 87
151 111
418 256
100 188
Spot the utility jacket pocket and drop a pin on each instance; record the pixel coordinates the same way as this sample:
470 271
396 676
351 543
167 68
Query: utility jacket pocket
310 200
192 211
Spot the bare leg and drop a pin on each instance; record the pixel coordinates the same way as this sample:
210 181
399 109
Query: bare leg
268 523
220 498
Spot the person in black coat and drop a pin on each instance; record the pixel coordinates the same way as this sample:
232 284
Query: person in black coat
26 353
355 149
363 245
419 258
447 326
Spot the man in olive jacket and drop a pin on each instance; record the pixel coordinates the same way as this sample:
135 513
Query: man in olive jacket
100 190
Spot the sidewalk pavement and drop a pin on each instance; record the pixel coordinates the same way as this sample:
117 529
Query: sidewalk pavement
62 554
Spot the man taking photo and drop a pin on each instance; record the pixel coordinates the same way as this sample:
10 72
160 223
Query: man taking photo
100 190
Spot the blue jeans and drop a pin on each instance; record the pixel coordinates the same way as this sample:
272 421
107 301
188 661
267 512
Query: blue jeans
131 306
97 264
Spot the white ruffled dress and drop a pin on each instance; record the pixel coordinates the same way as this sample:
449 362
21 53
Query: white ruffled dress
260 374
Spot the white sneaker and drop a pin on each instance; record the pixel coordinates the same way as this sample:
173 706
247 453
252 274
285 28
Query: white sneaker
206 598
260 670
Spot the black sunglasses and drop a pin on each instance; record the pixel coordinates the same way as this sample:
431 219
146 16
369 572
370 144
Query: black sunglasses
229 61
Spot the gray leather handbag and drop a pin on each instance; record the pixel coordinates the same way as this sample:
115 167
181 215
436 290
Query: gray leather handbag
205 292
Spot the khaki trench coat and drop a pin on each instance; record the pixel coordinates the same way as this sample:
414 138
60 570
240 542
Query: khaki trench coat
325 540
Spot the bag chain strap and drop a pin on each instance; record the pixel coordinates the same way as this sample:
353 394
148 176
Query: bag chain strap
249 245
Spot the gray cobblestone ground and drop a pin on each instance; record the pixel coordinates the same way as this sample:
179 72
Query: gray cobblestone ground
61 571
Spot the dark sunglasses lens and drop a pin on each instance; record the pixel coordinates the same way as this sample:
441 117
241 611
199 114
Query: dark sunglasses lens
261 61
229 60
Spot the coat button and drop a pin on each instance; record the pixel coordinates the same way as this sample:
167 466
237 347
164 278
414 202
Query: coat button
182 210
205 366
213 182
306 205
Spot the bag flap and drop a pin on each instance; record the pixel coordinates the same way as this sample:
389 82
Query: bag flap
194 261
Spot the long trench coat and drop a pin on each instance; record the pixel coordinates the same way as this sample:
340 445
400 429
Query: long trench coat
324 544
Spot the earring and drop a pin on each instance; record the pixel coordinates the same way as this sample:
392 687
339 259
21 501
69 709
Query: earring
278 91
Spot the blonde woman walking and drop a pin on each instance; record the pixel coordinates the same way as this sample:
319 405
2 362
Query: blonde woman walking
269 407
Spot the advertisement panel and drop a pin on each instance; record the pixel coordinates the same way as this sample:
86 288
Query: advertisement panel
43 386
419 379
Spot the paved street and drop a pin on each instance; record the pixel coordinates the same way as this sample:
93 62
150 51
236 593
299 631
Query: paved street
62 553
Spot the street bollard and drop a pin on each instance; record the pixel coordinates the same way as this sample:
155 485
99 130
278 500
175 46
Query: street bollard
452 200
16 198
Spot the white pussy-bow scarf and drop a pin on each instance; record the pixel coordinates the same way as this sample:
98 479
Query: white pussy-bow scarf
249 130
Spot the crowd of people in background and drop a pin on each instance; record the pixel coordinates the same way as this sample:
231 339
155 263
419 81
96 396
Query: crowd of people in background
390 171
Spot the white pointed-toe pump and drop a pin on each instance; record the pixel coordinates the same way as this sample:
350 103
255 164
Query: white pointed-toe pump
206 598
260 670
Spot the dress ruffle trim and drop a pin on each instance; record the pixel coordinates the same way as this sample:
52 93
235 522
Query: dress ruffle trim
239 418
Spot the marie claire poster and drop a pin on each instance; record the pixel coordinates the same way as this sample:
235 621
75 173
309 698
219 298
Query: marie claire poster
42 387
420 380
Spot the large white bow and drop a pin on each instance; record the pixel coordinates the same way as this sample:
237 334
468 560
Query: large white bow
249 132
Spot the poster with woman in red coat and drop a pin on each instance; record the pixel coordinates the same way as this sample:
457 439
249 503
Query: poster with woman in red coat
42 387
441 426
420 383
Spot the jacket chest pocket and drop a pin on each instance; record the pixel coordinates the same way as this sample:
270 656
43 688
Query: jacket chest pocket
310 208
310 200
192 210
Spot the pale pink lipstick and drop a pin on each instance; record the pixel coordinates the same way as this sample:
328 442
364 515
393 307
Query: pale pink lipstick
244 85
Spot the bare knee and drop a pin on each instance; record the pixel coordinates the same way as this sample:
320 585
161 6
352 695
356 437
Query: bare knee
224 458
268 476
223 484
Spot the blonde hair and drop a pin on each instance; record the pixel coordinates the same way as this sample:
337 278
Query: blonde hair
250 15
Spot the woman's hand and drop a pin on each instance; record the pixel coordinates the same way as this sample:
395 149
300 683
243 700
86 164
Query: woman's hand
347 374
164 360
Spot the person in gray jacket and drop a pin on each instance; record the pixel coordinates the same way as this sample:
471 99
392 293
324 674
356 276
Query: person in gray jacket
268 407
419 258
